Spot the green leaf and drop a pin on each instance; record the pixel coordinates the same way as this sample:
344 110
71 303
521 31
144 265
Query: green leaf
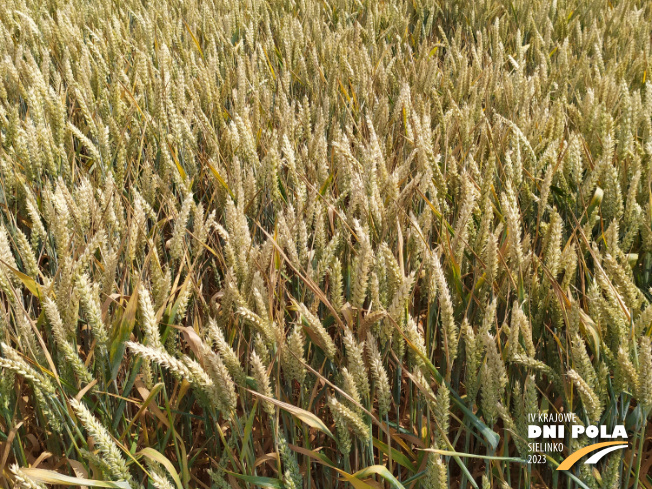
155 390
470 455
258 481
121 332
249 427
327 182
578 481
397 456
173 313
318 457
491 436
281 189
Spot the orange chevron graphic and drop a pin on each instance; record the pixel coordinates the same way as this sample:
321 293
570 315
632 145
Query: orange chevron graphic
575 456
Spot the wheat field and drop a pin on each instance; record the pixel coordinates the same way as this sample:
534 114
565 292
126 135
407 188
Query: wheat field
317 244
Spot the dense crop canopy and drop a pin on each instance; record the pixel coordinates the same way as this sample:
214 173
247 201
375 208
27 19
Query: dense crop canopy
309 244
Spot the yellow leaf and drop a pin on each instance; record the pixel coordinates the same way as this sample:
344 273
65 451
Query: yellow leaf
305 416
182 172
52 477
152 454
28 281
219 178
194 39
